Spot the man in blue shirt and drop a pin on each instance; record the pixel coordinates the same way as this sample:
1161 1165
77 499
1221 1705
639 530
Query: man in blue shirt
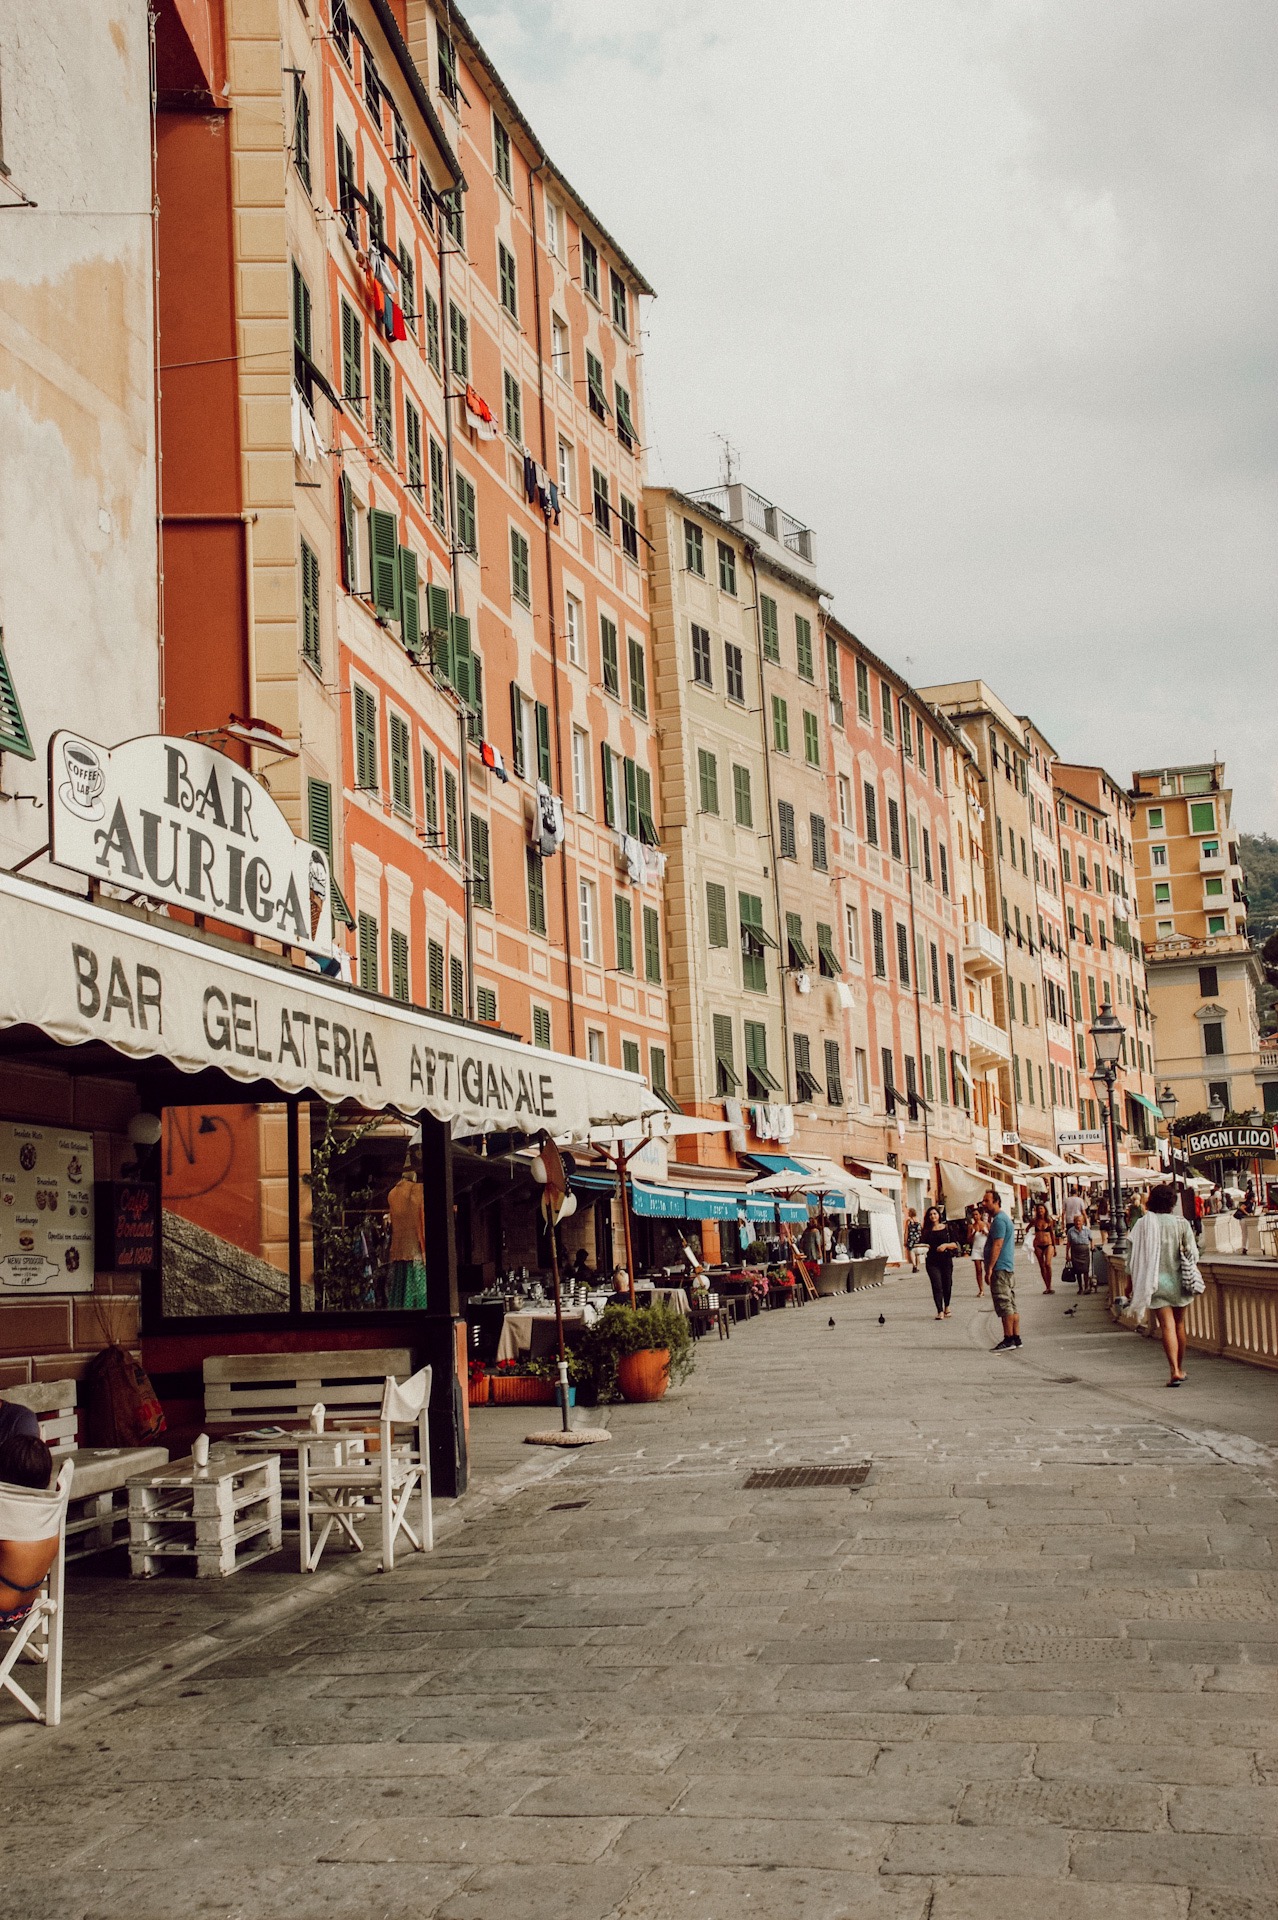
1000 1271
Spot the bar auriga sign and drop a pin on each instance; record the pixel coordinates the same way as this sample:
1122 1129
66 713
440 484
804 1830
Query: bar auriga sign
181 823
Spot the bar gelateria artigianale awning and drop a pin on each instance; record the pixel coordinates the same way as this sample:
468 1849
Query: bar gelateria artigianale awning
87 974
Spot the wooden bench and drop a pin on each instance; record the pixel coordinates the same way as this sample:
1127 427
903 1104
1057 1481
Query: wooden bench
279 1389
98 1510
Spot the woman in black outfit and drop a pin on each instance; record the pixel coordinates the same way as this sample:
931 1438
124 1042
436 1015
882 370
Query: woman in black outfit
941 1248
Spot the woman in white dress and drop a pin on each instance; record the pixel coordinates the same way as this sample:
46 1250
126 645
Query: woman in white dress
1159 1240
977 1247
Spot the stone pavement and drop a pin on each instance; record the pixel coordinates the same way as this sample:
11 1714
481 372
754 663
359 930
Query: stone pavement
1028 1670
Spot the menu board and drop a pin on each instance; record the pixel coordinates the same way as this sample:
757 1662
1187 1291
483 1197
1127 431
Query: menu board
46 1210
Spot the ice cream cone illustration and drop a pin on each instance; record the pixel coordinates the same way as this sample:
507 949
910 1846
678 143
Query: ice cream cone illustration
318 883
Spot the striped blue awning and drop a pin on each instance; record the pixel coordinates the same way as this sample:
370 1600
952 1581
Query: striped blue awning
709 1203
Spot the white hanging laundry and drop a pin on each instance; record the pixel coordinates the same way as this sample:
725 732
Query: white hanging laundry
632 854
735 1117
846 996
803 982
785 1124
654 861
550 820
295 420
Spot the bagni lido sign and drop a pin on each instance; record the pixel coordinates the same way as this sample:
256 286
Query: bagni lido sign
1251 1140
179 822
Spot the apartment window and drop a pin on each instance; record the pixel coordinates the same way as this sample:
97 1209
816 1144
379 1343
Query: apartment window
734 673
796 952
560 350
888 1064
780 724
1213 1036
628 515
1213 889
383 405
630 1056
701 669
638 676
601 503
408 289
934 971
567 487
885 693
936 781
346 189
595 387
811 740
1202 816
716 914
843 787
413 469
452 817
862 1066
770 627
760 1082
400 989
878 944
456 987
807 1086
588 918
1155 820
580 770
657 1069
400 767
609 655
541 1034
862 690
366 933
907 735
596 1046
590 268
502 169
894 829
787 836
623 918
520 576
573 631
447 69
486 1005
481 871
652 946
438 485
310 607
430 307
828 963
365 713
727 568
912 835
871 813
953 980
620 302
927 856
554 229
708 780
514 398
1208 983
430 793
1162 893
902 954
1215 923
434 976
832 675
353 360
303 341
945 868
694 552
467 515
820 856
725 1072
742 799
755 941
626 432
458 342
852 922
536 880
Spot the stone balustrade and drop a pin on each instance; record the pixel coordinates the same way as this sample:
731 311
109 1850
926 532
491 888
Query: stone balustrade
1236 1315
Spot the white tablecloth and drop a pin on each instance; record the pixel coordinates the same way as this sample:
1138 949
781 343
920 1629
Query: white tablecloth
675 1297
516 1328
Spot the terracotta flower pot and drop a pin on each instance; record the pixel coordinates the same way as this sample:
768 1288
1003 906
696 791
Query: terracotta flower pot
478 1391
520 1390
644 1376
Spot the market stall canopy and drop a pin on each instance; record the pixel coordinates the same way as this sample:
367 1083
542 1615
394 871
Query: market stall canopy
99 976
710 1203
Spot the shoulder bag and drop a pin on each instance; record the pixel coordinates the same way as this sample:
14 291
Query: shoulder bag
1191 1278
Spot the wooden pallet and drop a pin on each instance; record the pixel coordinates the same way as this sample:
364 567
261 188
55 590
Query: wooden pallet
222 1517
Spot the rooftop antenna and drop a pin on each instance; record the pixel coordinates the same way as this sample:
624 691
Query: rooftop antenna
730 460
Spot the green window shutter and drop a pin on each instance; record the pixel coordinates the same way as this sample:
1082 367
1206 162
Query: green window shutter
367 943
632 797
481 872
708 780
413 447
726 1080
399 964
651 946
463 660
352 361
832 674
434 976
438 485
544 772
811 740
609 785
310 606
430 777
319 816
541 1034
437 609
647 823
771 629
630 1056
536 878
780 724
638 677
410 604
383 405
400 769
742 799
365 740
456 987
346 501
517 765
625 927
608 653
383 554
486 1004
716 914
803 647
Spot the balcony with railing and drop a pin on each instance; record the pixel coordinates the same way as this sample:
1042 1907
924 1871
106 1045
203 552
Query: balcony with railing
747 510
987 1045
982 949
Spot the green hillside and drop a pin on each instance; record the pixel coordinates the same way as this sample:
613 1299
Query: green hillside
1259 855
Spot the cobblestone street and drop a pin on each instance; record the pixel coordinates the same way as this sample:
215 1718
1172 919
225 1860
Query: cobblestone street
1028 1669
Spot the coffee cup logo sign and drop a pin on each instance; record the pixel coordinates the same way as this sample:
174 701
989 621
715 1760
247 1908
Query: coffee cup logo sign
180 822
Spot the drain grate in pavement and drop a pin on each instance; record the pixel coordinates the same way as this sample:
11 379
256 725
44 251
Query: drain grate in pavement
809 1476
569 1506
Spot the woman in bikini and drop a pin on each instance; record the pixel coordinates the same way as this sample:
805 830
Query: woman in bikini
1043 1228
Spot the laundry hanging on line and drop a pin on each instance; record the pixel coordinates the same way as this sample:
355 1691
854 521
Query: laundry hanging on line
479 415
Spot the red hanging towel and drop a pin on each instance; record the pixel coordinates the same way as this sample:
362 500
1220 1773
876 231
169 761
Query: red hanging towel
398 330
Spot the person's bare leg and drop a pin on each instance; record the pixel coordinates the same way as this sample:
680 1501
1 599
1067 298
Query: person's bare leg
1171 1340
980 1278
1178 1314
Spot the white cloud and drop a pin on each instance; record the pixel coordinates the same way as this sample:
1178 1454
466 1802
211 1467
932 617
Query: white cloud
984 290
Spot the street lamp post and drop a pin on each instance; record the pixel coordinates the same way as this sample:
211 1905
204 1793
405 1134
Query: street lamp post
1216 1111
1107 1034
1168 1104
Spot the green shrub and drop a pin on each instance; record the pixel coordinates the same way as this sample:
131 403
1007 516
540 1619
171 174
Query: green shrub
622 1330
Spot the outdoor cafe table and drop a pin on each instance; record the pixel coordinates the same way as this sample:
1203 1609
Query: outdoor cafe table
516 1328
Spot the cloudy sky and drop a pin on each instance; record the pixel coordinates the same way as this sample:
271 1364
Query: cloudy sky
984 290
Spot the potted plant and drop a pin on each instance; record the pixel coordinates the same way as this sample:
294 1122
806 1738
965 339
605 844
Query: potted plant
512 1383
636 1352
477 1384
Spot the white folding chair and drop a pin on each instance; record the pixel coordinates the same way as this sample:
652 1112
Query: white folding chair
28 1515
335 1496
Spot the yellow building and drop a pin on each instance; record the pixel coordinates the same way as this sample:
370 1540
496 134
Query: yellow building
1202 970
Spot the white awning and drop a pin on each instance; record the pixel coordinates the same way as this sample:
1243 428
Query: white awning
151 990
878 1175
1048 1162
963 1185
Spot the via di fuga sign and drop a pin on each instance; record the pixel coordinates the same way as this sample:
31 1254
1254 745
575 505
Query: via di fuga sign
179 822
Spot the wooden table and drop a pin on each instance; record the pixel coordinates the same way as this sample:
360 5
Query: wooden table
221 1517
332 1448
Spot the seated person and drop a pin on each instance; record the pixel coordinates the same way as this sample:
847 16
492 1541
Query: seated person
17 1419
25 1461
582 1268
